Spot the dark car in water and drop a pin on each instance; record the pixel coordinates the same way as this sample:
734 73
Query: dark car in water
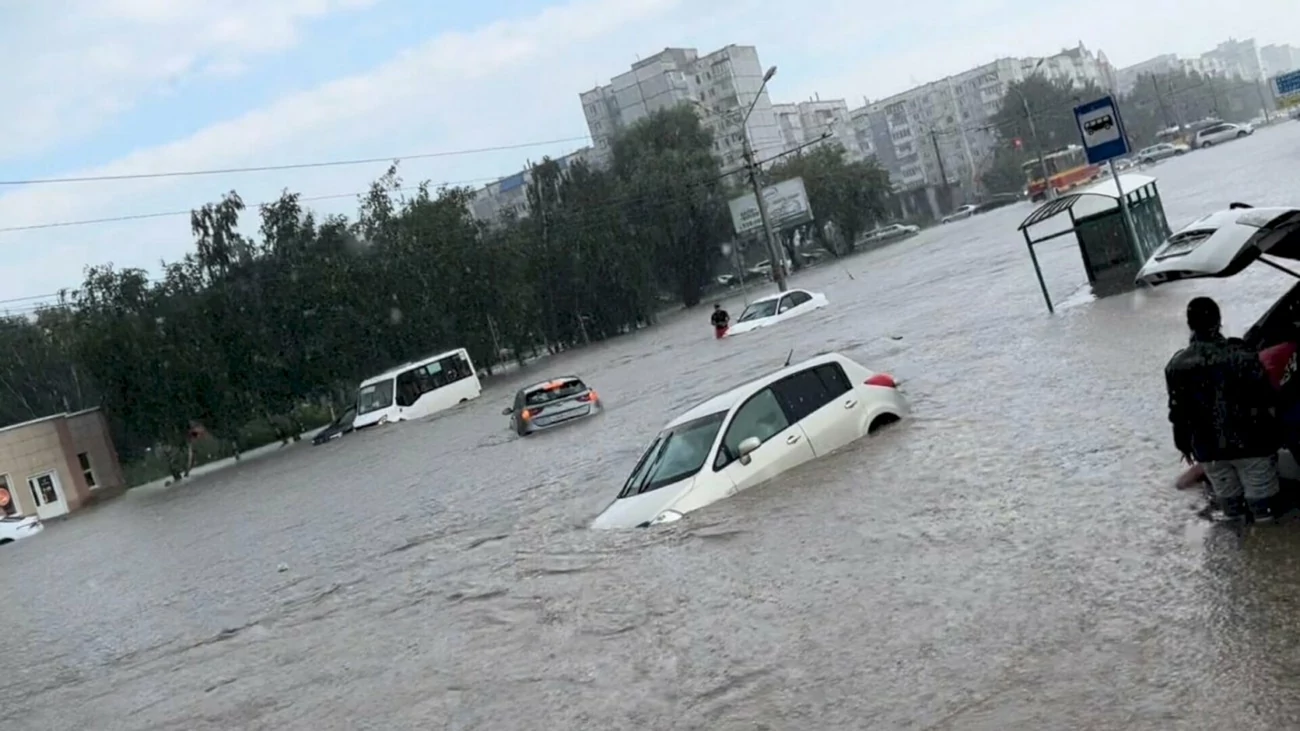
337 428
551 403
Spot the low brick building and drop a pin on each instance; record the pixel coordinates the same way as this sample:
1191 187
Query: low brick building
54 465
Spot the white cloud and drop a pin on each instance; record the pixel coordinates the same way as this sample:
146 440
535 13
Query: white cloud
517 80
73 65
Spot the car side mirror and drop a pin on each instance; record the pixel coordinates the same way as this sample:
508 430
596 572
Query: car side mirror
746 447
507 411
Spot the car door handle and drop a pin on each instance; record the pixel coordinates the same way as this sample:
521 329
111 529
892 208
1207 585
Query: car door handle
850 403
792 439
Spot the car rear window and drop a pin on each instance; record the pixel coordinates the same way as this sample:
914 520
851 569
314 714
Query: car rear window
560 388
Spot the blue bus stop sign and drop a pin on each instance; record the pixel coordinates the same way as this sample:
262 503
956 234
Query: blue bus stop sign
1102 130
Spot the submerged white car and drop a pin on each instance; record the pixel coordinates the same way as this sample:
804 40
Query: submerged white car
751 434
777 308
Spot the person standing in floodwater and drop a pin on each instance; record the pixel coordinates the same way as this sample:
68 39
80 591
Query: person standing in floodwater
1221 405
721 320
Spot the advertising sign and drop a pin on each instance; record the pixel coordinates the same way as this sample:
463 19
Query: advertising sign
787 205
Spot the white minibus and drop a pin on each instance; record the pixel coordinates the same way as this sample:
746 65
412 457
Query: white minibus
417 389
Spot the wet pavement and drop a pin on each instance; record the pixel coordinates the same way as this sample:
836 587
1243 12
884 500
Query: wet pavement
1011 557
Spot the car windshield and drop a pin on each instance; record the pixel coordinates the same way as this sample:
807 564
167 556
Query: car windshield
374 397
758 310
560 388
676 454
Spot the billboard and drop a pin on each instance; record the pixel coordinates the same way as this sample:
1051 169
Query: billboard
787 205
1286 88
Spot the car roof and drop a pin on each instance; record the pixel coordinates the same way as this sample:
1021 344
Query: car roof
727 400
540 384
777 296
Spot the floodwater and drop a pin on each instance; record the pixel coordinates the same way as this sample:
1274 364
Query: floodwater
1012 557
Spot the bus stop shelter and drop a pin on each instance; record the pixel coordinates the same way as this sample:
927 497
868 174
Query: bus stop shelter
1112 249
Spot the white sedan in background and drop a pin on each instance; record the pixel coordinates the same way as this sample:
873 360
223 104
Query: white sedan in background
777 308
751 434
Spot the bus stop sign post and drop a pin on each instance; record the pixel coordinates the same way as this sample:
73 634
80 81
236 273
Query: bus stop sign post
1104 140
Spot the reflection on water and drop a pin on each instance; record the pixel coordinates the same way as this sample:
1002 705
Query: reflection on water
1011 557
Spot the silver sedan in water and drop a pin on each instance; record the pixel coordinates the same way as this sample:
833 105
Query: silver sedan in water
550 404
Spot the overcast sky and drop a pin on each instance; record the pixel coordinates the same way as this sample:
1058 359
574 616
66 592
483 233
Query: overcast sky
96 87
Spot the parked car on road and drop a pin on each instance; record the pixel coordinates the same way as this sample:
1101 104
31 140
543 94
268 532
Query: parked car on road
892 231
337 428
962 213
776 308
1162 151
764 268
1220 133
996 201
17 527
751 434
551 403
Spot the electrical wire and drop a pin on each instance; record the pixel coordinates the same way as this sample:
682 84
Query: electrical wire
288 166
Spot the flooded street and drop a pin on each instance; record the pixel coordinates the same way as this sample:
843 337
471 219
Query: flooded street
1011 557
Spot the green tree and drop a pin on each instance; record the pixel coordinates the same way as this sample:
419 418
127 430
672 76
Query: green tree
1050 108
673 197
851 196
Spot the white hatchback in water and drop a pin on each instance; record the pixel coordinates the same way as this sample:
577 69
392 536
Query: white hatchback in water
777 308
751 434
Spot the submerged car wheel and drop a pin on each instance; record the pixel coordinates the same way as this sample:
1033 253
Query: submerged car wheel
882 421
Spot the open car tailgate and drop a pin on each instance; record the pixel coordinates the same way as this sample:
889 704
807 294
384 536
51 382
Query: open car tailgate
1223 243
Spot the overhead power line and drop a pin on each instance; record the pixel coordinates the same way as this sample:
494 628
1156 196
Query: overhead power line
289 166
188 211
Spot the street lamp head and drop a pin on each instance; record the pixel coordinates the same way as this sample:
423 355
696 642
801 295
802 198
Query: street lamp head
770 73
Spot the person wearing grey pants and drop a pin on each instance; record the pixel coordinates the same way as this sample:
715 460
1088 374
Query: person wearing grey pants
1252 478
1223 410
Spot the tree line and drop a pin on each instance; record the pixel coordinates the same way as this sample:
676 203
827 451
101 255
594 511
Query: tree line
249 326
1156 102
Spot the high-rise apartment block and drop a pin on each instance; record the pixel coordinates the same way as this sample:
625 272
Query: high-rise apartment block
720 86
941 133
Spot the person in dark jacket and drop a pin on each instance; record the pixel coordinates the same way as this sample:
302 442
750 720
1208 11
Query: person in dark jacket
1221 404
721 320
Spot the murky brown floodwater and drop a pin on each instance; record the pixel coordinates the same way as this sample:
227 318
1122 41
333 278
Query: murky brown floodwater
1013 557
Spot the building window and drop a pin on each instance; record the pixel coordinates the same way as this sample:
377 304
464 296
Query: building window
84 460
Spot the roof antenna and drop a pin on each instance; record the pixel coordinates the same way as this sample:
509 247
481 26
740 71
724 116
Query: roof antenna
787 358
1236 206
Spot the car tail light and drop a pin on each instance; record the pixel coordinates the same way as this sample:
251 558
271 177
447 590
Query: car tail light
882 380
589 396
530 412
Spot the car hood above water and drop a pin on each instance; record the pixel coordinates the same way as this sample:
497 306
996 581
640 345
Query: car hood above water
631 512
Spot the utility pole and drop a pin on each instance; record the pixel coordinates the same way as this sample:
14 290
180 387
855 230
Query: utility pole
1049 190
773 252
1164 111
943 174
1263 100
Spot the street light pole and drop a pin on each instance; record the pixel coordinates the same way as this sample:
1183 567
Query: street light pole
773 250
773 253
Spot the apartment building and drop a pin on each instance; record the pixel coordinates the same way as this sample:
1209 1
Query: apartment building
720 86
510 194
940 134
804 123
1237 58
790 123
1279 58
